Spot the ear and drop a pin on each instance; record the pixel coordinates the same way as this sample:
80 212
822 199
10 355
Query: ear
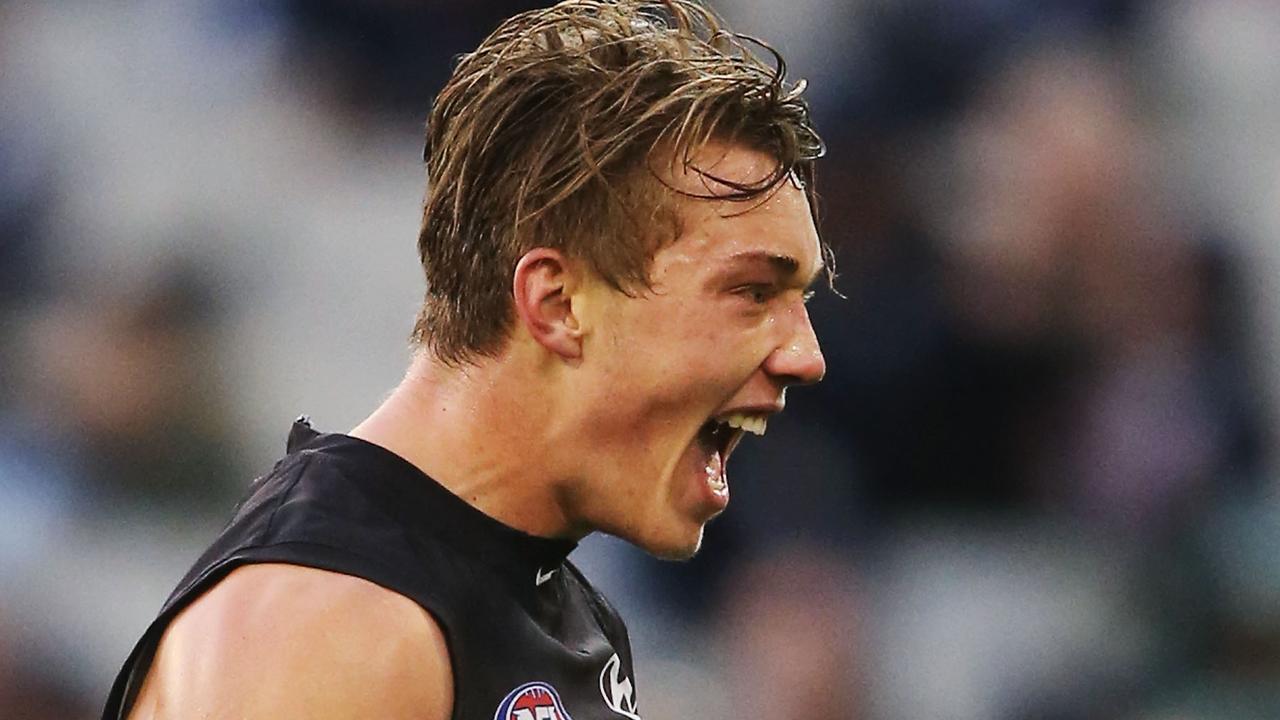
543 286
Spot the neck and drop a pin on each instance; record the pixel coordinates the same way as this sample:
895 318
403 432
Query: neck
486 434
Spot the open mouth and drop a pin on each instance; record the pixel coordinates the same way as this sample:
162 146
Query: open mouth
720 435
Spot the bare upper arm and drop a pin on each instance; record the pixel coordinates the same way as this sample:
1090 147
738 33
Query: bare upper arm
273 641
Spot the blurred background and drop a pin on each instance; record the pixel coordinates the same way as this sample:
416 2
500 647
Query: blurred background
1040 480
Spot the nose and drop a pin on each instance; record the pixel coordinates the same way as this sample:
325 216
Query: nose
798 360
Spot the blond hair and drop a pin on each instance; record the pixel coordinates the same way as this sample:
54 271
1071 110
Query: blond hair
547 133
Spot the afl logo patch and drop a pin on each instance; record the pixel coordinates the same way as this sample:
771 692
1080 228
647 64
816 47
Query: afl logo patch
532 701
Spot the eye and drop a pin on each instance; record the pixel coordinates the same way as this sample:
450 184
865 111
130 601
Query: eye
758 293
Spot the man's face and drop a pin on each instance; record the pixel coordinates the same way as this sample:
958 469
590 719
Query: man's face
715 343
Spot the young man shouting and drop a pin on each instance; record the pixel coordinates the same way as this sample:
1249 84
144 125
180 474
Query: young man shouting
618 242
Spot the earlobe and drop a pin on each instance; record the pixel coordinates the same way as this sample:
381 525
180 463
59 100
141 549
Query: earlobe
543 285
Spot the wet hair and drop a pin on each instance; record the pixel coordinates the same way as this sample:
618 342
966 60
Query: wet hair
552 132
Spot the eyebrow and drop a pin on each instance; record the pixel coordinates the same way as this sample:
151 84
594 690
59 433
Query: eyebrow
784 264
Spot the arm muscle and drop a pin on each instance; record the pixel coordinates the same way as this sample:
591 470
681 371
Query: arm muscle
272 641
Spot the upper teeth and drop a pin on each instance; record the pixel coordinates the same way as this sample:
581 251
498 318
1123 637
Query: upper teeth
751 423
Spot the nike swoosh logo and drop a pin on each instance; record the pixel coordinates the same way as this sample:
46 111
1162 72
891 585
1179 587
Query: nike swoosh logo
543 578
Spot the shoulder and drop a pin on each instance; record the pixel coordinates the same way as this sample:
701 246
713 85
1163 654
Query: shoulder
274 640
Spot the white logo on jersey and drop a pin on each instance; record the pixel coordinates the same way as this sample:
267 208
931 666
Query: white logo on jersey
618 692
540 578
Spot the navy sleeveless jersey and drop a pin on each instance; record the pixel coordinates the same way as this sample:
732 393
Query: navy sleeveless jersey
528 637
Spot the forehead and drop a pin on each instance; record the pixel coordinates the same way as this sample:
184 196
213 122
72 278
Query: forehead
778 223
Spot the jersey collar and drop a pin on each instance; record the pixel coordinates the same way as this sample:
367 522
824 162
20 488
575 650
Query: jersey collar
428 506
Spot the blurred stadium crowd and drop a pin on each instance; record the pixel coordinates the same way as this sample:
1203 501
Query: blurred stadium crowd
1039 480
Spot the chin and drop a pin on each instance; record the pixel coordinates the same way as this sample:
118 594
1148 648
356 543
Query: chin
676 547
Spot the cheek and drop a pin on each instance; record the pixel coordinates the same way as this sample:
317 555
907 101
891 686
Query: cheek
678 357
